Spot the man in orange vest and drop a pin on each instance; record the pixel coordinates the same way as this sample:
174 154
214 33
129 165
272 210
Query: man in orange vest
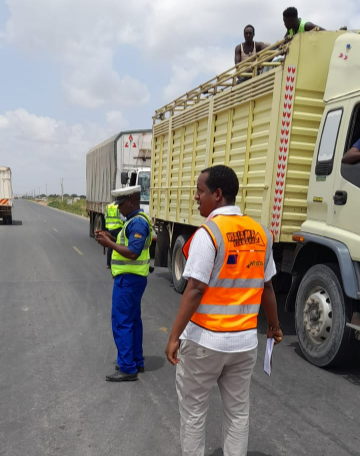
229 269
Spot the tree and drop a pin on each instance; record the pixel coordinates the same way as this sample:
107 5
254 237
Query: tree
74 195
83 197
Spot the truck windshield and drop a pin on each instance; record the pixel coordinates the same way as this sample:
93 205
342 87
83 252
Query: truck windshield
144 182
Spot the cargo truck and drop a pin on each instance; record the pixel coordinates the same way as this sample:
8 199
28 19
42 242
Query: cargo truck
122 160
284 130
6 195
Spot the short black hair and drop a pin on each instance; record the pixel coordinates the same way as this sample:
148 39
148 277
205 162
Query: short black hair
225 178
291 13
251 26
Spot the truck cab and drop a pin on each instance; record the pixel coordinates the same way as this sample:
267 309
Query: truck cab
326 269
142 177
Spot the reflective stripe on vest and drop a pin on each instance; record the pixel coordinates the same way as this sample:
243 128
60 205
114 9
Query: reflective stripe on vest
301 28
112 217
140 266
232 299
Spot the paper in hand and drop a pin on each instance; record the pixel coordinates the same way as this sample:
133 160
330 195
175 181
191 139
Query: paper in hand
268 355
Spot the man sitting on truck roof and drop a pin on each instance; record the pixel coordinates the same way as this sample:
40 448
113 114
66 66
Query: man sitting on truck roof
295 24
245 50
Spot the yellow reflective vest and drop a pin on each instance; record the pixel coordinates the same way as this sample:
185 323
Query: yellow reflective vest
112 217
140 266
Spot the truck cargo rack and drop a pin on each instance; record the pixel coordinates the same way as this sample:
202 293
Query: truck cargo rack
247 69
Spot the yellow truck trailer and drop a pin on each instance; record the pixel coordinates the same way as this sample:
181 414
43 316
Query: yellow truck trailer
284 131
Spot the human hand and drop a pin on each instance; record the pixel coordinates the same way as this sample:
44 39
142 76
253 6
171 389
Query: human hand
102 238
104 232
171 351
276 335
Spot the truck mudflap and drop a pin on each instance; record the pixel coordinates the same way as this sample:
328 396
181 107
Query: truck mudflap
350 270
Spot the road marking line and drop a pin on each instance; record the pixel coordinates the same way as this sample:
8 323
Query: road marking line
55 229
77 250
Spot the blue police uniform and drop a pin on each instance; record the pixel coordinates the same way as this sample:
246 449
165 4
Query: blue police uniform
126 302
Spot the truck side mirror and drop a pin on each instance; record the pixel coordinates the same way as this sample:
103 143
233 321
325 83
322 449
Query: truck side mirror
133 179
124 178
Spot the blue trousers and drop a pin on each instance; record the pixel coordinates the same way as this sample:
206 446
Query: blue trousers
126 321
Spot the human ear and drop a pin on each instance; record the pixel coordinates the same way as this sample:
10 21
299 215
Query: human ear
218 194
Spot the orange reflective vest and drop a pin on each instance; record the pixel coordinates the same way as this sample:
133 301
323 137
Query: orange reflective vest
232 299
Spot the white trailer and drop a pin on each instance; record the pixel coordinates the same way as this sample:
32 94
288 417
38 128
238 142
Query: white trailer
124 159
6 195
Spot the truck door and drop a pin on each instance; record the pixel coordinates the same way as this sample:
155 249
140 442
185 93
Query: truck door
322 177
344 223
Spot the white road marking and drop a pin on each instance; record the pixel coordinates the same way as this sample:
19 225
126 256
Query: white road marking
25 309
77 250
55 229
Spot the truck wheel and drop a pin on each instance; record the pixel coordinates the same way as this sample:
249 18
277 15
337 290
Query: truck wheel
5 220
169 260
178 264
321 313
9 220
97 222
91 225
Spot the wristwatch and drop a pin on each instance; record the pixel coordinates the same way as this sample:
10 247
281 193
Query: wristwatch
274 328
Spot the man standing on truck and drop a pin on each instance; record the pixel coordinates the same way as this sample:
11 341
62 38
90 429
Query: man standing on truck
250 47
130 264
229 269
114 224
295 24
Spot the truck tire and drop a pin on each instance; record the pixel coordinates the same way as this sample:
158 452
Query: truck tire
178 264
5 220
91 225
9 220
321 313
98 222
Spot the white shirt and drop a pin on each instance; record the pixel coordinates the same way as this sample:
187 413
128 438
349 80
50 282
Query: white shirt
199 266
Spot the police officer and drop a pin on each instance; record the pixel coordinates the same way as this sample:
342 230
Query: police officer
113 223
130 264
229 270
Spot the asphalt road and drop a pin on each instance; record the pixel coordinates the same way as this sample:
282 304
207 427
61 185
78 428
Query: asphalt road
56 347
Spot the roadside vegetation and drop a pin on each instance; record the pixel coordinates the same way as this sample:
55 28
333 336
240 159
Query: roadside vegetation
76 207
71 203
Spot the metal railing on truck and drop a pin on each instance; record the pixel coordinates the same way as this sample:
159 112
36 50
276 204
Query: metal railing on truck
247 69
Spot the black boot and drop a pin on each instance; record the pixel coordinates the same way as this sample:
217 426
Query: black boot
140 370
121 377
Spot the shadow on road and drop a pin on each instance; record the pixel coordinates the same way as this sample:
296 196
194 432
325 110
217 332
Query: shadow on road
258 453
14 222
287 320
153 363
219 452
350 372
164 274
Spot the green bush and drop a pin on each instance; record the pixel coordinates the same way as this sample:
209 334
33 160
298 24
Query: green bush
77 207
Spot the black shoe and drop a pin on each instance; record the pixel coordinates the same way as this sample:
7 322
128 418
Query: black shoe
121 377
140 370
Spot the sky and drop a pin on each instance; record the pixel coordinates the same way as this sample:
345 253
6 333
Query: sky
75 72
